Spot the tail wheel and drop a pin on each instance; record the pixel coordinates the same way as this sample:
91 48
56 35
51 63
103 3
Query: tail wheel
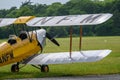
14 68
44 68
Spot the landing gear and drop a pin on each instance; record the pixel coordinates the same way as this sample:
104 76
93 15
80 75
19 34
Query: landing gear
15 68
44 68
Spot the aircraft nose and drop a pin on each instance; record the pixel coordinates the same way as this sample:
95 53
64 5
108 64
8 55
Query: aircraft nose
41 35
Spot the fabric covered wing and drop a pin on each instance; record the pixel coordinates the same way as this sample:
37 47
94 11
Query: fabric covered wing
88 19
63 57
6 21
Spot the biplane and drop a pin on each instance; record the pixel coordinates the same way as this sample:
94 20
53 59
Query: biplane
24 48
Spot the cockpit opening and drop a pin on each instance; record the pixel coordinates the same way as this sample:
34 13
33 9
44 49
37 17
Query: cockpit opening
23 35
12 39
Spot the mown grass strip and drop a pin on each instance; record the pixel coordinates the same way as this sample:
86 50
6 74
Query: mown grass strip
109 65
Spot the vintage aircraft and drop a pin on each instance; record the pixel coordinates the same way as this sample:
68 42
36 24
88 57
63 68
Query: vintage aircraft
23 49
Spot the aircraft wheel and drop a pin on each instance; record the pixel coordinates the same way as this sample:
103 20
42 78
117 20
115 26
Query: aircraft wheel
44 68
14 68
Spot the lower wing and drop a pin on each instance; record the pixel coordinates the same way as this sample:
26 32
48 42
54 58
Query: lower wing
64 57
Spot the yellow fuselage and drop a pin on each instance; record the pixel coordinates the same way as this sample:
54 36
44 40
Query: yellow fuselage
19 51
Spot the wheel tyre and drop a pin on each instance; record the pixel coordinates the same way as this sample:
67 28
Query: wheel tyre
44 68
15 68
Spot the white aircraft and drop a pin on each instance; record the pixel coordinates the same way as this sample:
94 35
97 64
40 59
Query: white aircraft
23 49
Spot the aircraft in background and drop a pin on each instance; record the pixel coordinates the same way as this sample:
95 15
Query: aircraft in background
24 48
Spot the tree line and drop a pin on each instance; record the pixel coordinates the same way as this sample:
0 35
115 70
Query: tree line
72 7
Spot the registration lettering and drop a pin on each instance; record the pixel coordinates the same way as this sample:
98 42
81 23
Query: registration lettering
90 19
67 20
43 20
7 56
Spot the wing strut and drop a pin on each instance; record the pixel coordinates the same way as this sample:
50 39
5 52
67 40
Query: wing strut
71 31
80 43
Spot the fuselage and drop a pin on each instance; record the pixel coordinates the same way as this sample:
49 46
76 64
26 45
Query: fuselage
19 48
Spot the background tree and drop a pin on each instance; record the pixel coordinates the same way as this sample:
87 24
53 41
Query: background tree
111 27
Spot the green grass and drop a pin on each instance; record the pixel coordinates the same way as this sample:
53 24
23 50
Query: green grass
109 65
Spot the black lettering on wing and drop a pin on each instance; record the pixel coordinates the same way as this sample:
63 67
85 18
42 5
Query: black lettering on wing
90 18
43 20
66 18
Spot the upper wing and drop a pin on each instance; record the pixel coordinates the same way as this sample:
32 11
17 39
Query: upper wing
6 21
88 19
63 57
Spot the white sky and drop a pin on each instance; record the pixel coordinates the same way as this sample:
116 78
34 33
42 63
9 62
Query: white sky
7 4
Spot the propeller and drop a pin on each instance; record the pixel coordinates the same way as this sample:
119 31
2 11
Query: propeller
52 39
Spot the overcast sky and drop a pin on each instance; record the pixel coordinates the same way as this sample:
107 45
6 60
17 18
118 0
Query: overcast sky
7 4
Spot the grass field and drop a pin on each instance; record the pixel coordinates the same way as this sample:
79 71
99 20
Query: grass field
109 65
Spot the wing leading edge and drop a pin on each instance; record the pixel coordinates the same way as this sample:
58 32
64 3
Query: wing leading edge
63 57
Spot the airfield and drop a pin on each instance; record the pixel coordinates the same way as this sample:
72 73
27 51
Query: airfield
109 65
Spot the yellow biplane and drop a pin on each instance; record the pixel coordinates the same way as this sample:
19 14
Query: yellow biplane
24 48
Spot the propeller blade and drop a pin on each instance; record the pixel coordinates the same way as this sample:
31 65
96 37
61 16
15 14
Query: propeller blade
52 39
